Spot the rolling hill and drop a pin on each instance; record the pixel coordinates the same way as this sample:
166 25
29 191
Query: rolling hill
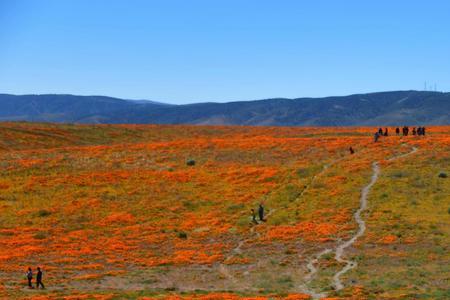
116 212
384 108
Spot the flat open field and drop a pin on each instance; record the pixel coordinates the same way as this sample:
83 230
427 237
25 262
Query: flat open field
115 212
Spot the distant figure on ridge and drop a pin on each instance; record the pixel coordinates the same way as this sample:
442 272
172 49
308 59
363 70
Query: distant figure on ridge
30 278
397 131
421 131
380 131
414 131
351 150
386 132
39 278
376 136
405 130
261 212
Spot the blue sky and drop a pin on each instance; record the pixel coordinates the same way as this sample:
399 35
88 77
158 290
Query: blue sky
212 50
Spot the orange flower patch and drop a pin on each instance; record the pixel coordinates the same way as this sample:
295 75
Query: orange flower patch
389 239
307 230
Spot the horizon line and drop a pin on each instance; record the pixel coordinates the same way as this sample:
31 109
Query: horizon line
216 102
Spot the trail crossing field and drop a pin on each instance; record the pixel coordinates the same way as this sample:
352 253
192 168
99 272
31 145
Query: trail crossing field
159 212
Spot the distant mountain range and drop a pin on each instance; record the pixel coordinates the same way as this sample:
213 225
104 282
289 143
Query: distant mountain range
384 108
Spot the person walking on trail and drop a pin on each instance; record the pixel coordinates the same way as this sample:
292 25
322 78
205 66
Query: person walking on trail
261 212
254 216
351 150
380 131
39 278
30 278
375 137
414 131
397 131
386 132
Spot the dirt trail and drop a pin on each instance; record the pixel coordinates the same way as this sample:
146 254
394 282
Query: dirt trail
223 269
310 265
310 276
340 249
361 229
361 224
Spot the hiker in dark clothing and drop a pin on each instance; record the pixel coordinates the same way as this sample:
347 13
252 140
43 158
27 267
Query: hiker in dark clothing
414 131
254 217
405 131
351 150
380 131
39 279
375 137
386 132
30 277
261 212
397 131
421 131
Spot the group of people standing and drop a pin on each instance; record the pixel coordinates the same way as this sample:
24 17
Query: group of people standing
405 132
38 278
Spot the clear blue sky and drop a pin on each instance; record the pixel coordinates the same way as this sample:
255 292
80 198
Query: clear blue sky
222 50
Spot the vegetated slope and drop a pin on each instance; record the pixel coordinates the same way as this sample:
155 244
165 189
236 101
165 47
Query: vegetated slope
115 211
383 109
66 108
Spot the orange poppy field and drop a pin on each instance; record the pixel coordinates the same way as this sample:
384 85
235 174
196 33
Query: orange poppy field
164 212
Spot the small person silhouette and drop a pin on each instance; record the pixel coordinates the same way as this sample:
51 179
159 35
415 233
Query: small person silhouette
30 278
39 278
376 136
261 212
351 150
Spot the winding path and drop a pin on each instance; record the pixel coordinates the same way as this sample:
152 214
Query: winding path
361 229
339 252
362 225
223 269
340 249
310 276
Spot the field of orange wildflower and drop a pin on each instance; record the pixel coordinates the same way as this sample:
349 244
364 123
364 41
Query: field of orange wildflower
116 212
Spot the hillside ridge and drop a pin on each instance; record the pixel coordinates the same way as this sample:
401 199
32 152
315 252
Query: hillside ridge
371 109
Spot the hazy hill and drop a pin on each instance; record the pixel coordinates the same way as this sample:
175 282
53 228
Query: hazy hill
384 108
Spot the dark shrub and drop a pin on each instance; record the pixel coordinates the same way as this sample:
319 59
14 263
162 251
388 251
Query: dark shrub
40 235
190 162
182 235
44 213
442 175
